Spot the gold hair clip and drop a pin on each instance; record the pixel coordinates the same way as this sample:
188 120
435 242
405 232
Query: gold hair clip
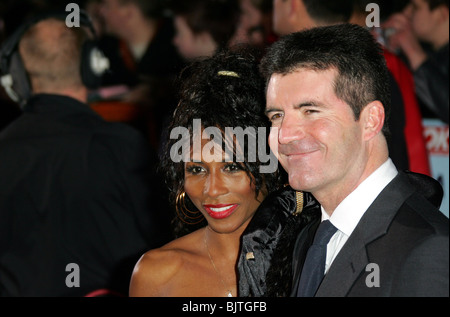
227 73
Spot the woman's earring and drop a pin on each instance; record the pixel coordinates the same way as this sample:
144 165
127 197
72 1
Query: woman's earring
187 216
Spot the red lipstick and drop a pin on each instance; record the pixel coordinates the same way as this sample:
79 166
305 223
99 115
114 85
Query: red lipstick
220 211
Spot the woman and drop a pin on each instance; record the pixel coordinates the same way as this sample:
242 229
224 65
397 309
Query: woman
214 192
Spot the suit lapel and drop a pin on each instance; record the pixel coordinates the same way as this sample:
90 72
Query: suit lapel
353 257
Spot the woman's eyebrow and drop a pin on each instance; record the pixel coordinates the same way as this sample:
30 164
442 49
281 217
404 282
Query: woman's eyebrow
271 109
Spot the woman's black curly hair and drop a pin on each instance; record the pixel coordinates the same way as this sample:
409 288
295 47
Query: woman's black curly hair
225 90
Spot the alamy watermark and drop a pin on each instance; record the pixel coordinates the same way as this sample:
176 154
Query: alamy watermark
73 278
73 18
373 278
234 140
373 18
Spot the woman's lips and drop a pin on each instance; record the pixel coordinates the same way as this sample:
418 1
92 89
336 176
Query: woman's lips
220 211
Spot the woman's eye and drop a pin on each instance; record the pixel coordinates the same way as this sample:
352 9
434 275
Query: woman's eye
275 116
194 169
233 167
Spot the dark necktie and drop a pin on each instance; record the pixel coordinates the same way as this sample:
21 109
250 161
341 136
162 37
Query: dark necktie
314 267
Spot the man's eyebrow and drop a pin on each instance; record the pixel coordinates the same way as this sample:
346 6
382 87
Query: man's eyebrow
300 105
307 104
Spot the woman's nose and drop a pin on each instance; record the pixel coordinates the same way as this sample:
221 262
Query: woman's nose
215 185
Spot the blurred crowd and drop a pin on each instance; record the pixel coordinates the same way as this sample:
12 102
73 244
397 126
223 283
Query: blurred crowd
149 42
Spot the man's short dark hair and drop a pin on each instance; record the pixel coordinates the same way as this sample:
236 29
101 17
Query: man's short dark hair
329 11
149 8
218 17
433 4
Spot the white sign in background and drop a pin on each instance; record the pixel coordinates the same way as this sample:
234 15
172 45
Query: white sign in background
436 136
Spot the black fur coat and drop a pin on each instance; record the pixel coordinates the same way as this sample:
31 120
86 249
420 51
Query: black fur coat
265 260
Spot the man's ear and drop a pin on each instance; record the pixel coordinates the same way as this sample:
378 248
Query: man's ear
443 12
294 7
131 10
372 117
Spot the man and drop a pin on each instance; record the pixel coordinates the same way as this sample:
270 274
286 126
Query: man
328 101
145 40
204 27
296 15
406 141
75 200
138 42
425 21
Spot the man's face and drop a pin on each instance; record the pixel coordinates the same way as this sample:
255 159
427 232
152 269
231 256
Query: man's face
320 144
281 9
423 20
188 44
115 15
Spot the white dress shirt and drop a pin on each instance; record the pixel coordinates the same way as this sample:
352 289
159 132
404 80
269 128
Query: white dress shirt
348 213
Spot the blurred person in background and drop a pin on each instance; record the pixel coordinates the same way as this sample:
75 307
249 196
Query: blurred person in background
137 39
255 24
403 94
297 15
79 199
204 27
144 38
421 33
12 14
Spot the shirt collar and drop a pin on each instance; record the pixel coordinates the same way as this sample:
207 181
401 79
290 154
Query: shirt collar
56 105
348 213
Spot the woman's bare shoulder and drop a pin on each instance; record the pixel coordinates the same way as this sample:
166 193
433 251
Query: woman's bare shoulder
157 269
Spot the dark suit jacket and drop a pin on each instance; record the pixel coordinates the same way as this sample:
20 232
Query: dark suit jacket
73 189
403 234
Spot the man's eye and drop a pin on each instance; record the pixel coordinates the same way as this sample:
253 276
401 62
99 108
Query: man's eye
310 111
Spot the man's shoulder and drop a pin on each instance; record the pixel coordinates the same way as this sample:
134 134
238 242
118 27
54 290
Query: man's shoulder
425 215
119 132
423 204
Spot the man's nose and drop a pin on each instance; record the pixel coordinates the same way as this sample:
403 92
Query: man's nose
289 130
